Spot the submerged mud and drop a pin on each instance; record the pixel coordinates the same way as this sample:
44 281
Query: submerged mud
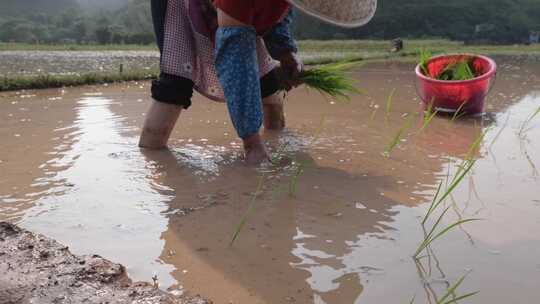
36 269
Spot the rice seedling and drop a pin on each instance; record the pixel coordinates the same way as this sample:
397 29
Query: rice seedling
524 125
500 131
463 170
459 112
424 274
293 185
389 102
449 297
250 209
433 236
528 158
373 113
397 138
460 217
331 80
428 116
475 146
425 56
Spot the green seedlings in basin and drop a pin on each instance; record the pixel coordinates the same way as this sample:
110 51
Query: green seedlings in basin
460 70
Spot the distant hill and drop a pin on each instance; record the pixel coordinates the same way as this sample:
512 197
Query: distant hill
24 7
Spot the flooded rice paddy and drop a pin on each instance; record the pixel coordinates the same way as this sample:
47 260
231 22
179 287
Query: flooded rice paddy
341 229
30 63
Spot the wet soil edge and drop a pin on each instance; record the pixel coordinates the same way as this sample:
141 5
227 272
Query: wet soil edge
37 269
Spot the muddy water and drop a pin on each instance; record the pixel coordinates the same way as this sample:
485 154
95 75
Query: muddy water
343 230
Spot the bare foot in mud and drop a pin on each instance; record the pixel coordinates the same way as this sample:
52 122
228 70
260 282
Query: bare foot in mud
255 151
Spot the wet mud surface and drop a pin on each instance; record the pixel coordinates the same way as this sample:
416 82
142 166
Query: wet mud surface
36 269
336 221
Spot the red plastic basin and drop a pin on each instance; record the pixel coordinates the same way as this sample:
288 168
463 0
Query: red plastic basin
450 96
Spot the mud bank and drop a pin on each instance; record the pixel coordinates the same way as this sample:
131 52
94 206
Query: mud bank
36 269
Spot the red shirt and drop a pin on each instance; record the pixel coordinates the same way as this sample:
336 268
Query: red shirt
261 14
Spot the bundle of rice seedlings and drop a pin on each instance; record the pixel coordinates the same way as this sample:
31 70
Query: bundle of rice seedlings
332 80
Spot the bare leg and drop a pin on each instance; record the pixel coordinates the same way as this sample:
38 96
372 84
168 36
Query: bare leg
274 116
255 152
159 123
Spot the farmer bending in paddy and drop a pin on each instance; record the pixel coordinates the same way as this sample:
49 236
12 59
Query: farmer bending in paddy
230 50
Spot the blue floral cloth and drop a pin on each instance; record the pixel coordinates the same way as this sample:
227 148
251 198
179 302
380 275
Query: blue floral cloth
238 73
279 40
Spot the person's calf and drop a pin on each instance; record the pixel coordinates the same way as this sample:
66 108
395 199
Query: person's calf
158 126
154 138
274 114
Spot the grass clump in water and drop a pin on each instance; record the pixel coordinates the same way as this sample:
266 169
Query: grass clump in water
331 80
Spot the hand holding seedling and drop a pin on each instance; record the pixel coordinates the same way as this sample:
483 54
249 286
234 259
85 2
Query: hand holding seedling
291 66
331 80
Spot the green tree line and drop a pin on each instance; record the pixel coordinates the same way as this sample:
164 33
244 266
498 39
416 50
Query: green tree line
495 21
65 21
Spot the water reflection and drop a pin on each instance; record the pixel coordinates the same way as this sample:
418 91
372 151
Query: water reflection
99 194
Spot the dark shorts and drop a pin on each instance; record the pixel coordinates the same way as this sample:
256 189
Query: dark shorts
178 90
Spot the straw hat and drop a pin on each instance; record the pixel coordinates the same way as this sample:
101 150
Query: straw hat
345 13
